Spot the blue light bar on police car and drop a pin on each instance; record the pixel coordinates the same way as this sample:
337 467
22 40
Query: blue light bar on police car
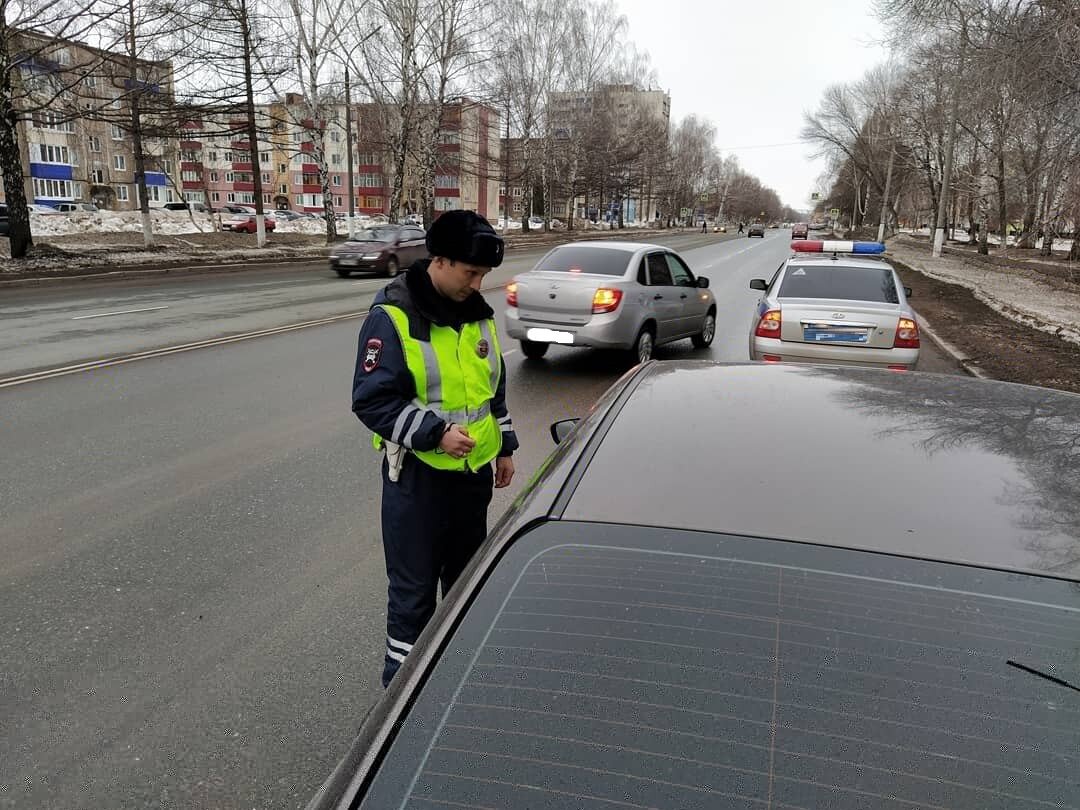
836 246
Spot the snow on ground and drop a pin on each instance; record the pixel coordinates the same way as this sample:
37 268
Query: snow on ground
1021 295
166 223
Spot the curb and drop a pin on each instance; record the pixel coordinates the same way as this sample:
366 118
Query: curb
138 271
969 366
179 269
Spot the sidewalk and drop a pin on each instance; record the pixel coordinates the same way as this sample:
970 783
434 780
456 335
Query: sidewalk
1034 299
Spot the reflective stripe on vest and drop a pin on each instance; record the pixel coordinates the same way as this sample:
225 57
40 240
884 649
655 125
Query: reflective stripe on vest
456 375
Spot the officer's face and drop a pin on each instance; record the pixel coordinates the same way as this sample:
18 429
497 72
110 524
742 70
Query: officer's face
456 280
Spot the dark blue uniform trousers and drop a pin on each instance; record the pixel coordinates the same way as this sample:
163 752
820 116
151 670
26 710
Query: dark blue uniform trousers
433 521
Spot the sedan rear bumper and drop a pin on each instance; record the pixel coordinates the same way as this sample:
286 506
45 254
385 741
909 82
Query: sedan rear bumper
608 331
789 352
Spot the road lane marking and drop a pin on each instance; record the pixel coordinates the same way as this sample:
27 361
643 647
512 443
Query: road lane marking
124 312
92 365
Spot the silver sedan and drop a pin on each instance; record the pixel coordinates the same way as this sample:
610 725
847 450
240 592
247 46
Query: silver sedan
610 295
844 310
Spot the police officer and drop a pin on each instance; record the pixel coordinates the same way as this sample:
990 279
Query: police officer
431 384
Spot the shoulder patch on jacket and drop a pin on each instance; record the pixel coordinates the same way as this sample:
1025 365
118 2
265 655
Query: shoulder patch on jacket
372 353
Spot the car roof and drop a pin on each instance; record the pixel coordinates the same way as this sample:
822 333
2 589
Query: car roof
933 466
628 247
842 259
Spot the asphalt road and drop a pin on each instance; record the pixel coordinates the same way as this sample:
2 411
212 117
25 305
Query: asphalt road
193 587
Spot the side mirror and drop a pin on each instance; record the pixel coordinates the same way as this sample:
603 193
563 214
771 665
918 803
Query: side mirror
759 284
907 292
702 282
561 429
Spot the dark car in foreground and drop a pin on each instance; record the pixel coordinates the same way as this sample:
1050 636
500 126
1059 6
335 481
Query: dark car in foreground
383 249
756 229
754 585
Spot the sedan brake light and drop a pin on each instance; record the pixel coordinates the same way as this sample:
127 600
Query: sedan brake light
511 294
606 300
907 334
769 325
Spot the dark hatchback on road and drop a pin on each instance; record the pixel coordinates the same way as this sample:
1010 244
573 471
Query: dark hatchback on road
753 586
384 249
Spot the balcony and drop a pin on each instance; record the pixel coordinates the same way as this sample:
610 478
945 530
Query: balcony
190 166
191 146
242 167
243 186
192 185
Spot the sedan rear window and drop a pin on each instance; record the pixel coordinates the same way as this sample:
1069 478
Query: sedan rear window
839 282
691 670
595 261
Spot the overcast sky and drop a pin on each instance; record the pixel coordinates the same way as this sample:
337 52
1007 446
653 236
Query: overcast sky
753 67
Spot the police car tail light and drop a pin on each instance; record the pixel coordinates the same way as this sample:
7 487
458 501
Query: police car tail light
511 294
606 300
907 334
837 246
769 325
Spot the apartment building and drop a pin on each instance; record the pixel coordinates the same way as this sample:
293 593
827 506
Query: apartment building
76 144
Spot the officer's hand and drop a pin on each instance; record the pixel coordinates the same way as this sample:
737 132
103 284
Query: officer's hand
456 442
504 471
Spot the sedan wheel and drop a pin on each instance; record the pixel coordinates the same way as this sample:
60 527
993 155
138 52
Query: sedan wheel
533 350
708 332
392 267
643 347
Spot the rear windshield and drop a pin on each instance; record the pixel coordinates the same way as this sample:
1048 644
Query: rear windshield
595 261
691 670
839 282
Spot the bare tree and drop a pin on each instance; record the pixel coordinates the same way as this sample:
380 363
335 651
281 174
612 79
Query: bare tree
38 72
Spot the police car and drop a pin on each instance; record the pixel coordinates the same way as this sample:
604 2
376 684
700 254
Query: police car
835 302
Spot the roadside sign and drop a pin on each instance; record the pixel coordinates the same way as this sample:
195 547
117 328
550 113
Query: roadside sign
834 213
815 196
704 196
684 213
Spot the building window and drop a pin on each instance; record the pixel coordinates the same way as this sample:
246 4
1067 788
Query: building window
97 177
310 179
53 154
282 168
117 133
76 189
189 176
230 197
446 181
215 196
266 198
119 163
337 201
264 157
193 196
283 188
335 136
336 180
214 177
449 137
230 177
517 191
299 199
189 156
336 159
91 82
54 189
517 208
370 202
266 177
47 119
297 136
94 143
368 159
370 180
211 156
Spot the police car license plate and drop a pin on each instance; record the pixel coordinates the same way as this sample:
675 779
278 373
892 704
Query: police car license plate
347 262
827 333
549 336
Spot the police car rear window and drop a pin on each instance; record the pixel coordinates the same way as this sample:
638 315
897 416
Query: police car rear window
838 282
617 666
594 261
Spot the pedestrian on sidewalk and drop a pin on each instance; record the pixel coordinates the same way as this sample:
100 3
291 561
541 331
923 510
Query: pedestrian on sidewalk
430 382
704 227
